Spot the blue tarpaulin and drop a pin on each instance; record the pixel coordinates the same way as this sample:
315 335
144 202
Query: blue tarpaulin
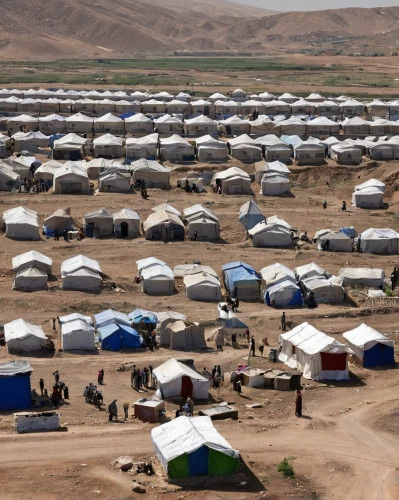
115 337
379 355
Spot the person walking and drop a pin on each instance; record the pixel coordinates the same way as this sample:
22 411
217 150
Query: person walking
41 384
343 208
126 410
394 278
253 346
298 404
56 376
113 410
54 328
283 322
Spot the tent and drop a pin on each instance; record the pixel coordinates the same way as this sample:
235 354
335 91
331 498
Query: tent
274 184
203 229
109 316
178 106
152 106
127 223
81 273
9 180
327 108
226 107
114 181
177 379
362 276
175 148
115 337
303 107
370 194
163 225
158 280
143 320
52 124
47 170
23 336
186 337
21 224
59 221
22 123
273 167
166 125
315 354
164 319
139 124
142 147
34 142
202 286
264 125
379 241
310 154
15 389
30 279
351 107
284 293
241 281
77 334
192 446
200 125
109 124
370 347
333 241
32 259
147 263
287 97
69 147
98 223
309 271
153 173
71 179
235 126
355 126
108 146
382 151
271 275
73 317
270 233
293 126
203 107
232 181
324 290
345 154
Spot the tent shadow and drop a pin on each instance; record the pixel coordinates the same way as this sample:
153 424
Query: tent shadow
83 352
354 381
34 354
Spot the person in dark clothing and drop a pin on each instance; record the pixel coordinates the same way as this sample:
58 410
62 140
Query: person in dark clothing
56 376
65 235
236 303
394 278
194 188
283 322
358 243
253 346
343 206
195 235
213 375
325 204
144 194
113 410
56 235
41 384
187 187
54 328
247 334
298 404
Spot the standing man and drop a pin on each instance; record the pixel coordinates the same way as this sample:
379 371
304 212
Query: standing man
126 410
253 346
41 383
343 206
113 410
298 404
283 323
394 278
56 376
190 404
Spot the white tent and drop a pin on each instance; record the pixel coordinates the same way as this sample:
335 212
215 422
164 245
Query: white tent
163 225
327 108
178 106
203 107
21 224
303 107
77 334
69 147
71 180
325 290
169 380
79 262
79 124
264 125
244 148
345 154
127 223
82 279
274 184
23 336
9 180
47 170
223 107
235 126
99 223
58 221
108 146
30 141
370 194
52 124
153 173
109 317
166 125
315 354
158 280
309 271
109 123
308 153
142 147
139 124
74 316
270 234
202 286
284 293
200 125
30 279
293 126
275 273
334 241
114 182
273 167
153 106
32 259
148 262
289 98
362 276
22 123
175 148
277 107
351 107
186 337
232 181
355 126
210 149
379 241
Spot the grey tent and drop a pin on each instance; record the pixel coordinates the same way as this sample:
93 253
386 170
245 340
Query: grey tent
99 223
127 223
250 215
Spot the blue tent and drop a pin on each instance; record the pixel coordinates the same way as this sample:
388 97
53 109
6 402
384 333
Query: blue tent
250 215
285 293
15 391
53 138
241 280
379 355
115 337
109 316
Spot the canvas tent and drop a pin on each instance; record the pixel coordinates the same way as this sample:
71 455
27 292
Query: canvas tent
52 124
109 316
370 347
273 167
309 271
158 280
362 276
139 125
166 125
210 149
283 294
142 147
21 224
59 221
164 319
20 335
71 179
345 154
234 126
98 223
264 125
33 142
153 173
30 279
69 147
163 225
245 149
315 354
200 125
232 181
109 124
114 337
379 241
250 214
81 273
47 170
22 123
186 337
9 180
203 287
175 148
32 259
324 290
274 184
270 233
242 281
177 379
114 180
275 273
15 389
108 146
370 194
202 223
76 335
73 317
191 447
147 263
127 223
79 124
333 241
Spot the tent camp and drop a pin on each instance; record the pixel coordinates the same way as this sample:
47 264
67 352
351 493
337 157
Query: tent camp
20 335
370 194
191 447
203 287
21 224
30 279
285 293
59 221
315 354
241 281
32 259
379 241
200 125
77 334
186 337
98 223
15 389
108 146
115 337
158 280
69 147
333 241
362 276
175 148
370 347
274 184
250 214
139 125
210 149
232 181
71 180
142 147
153 173
163 225
127 223
109 316
177 379
81 273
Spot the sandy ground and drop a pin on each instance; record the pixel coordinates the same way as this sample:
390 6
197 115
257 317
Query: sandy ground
344 447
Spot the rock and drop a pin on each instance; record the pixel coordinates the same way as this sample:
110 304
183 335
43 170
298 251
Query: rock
123 463
137 488
83 465
254 405
250 417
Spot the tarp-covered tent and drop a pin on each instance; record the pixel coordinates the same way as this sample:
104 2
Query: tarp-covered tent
186 337
21 224
23 336
370 194
98 223
370 347
309 271
142 147
30 279
127 223
108 146
163 225
379 241
77 335
71 179
275 273
284 293
250 214
315 354
175 148
177 379
241 280
109 316
158 280
232 181
202 286
192 446
362 276
333 241
324 290
15 389
81 273
114 337
32 259
153 173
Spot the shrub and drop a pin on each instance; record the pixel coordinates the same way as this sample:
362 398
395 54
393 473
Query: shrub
286 468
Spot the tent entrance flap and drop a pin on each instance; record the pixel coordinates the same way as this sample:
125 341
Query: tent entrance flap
333 362
178 467
186 386
198 461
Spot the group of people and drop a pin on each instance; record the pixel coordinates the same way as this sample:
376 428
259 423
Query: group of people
140 378
190 189
60 390
216 376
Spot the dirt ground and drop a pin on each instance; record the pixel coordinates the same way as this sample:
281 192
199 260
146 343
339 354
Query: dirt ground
345 446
